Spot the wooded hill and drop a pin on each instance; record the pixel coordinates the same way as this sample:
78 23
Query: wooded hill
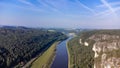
20 44
82 56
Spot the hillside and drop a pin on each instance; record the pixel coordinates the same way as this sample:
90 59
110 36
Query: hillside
95 49
18 44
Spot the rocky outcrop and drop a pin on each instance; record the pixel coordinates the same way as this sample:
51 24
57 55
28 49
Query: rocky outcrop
86 43
83 43
107 49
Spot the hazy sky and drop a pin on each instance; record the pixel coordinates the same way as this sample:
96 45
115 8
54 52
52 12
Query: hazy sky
61 13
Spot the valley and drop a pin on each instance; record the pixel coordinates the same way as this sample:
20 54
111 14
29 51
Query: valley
54 48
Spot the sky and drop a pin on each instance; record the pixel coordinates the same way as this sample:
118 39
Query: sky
61 13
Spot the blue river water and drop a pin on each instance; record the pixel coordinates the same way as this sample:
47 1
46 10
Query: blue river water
61 58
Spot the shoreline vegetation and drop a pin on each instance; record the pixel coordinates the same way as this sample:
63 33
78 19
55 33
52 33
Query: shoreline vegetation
45 60
28 65
80 56
68 54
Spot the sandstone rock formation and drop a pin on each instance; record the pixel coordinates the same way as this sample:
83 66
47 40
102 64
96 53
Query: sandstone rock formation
107 50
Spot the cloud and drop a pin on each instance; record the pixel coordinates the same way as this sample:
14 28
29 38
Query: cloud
26 2
86 7
64 5
107 12
109 7
61 12
47 4
30 5
14 6
112 4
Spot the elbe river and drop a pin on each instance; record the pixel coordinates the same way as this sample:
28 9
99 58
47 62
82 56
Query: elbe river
61 58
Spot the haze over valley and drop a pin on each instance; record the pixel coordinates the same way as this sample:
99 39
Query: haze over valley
59 34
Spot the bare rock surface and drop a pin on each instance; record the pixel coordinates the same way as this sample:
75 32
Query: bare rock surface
107 50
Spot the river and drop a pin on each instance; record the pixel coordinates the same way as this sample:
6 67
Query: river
61 58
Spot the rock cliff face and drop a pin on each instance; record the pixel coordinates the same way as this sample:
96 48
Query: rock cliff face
107 50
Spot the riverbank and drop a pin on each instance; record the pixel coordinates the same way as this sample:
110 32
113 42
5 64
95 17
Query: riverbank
68 54
81 56
61 57
44 59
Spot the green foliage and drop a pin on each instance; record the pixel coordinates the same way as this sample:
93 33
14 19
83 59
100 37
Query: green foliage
46 58
80 55
19 45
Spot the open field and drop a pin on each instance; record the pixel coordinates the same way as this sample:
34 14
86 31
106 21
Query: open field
44 61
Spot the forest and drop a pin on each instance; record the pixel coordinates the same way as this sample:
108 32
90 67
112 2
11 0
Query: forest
20 44
80 55
83 56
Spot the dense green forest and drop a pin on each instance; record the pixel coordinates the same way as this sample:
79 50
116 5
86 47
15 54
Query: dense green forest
80 55
19 44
